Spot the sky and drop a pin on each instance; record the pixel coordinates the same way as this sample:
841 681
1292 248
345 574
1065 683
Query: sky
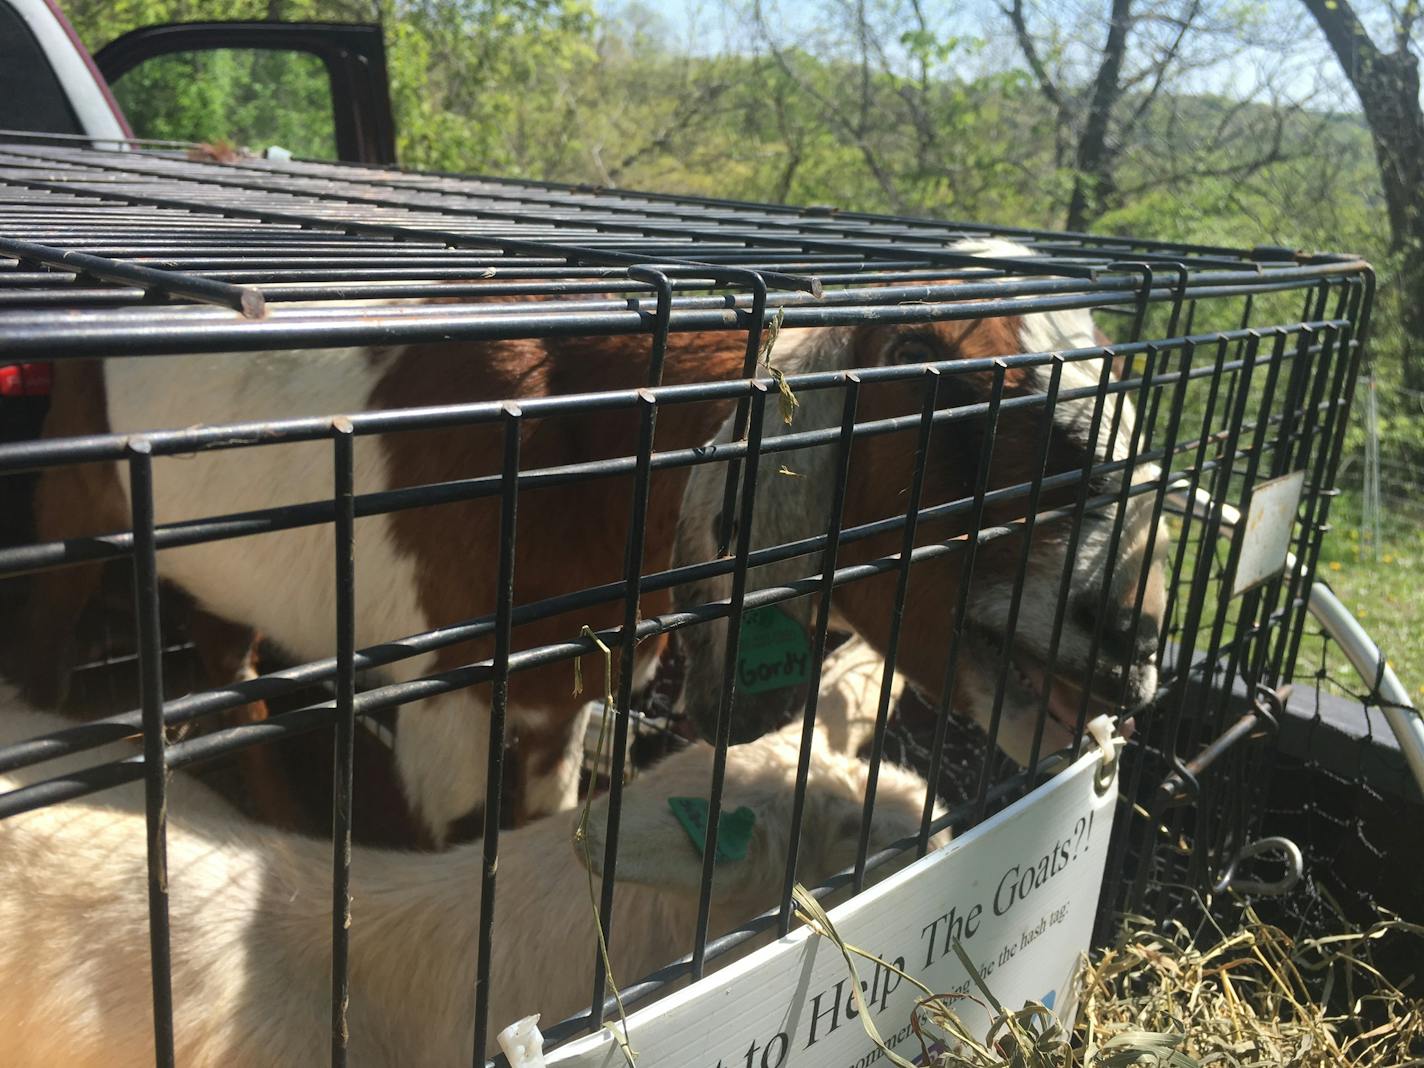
1288 57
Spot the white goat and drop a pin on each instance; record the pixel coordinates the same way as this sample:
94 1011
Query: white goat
250 908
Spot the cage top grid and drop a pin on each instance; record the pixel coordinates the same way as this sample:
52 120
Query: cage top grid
112 253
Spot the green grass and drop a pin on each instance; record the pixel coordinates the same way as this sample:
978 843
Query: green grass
1385 595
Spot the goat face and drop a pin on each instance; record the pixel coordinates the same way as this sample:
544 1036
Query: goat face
1101 641
1105 647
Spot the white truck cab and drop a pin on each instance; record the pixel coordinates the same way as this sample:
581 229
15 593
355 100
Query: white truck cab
49 83
53 90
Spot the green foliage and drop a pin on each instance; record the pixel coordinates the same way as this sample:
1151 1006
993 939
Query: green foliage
245 96
459 74
1380 589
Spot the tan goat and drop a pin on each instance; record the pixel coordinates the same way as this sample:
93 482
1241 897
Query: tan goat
250 907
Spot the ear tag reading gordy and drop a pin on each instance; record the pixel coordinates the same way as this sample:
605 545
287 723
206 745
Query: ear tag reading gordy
773 653
734 829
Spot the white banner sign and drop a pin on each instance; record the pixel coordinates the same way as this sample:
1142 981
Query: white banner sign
1019 892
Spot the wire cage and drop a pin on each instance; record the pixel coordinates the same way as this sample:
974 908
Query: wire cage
910 429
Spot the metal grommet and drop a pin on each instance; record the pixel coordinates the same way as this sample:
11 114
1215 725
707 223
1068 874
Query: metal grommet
1106 775
1103 733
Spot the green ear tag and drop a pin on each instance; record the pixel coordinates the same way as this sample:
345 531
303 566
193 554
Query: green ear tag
734 829
774 652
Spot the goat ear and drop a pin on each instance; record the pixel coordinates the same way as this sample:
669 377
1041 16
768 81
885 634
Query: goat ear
794 491
656 849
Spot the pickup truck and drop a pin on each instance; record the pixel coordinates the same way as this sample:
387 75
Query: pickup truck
124 96
50 84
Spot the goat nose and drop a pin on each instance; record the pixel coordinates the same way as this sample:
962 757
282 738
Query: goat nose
1113 623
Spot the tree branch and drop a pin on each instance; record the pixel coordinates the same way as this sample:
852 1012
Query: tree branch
688 110
1404 26
1015 15
834 115
1345 34
1162 67
1094 177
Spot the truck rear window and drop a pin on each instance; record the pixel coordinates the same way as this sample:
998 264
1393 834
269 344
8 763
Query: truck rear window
31 98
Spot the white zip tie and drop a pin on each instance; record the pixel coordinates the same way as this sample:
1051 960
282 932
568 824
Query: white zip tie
522 1043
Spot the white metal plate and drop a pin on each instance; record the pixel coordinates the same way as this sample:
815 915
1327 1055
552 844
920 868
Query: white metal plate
1265 534
788 1004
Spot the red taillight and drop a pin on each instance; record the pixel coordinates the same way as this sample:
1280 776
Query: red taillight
26 380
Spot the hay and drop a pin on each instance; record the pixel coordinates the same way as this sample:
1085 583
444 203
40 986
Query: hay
630 1055
785 397
1255 998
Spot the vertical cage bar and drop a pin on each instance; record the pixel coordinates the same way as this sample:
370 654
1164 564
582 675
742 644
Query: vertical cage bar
1021 574
343 450
897 614
739 421
1186 731
1132 787
1221 480
1169 449
1070 553
1110 558
1169 611
1246 625
1322 294
1144 293
729 676
1295 420
1346 373
1210 533
966 580
661 319
499 700
1310 442
1247 603
155 762
1173 319
818 649
633 574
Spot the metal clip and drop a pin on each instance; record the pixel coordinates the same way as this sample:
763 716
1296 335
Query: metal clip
1295 869
1182 785
1270 706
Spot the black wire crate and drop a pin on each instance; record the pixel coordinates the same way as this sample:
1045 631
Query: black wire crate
346 473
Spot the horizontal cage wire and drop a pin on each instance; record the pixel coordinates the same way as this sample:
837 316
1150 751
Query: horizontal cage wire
377 461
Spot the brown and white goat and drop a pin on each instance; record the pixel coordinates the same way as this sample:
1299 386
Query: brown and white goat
415 570
250 909
794 493
421 569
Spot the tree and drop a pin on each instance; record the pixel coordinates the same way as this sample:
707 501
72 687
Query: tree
1387 84
885 105
1093 179
1118 107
